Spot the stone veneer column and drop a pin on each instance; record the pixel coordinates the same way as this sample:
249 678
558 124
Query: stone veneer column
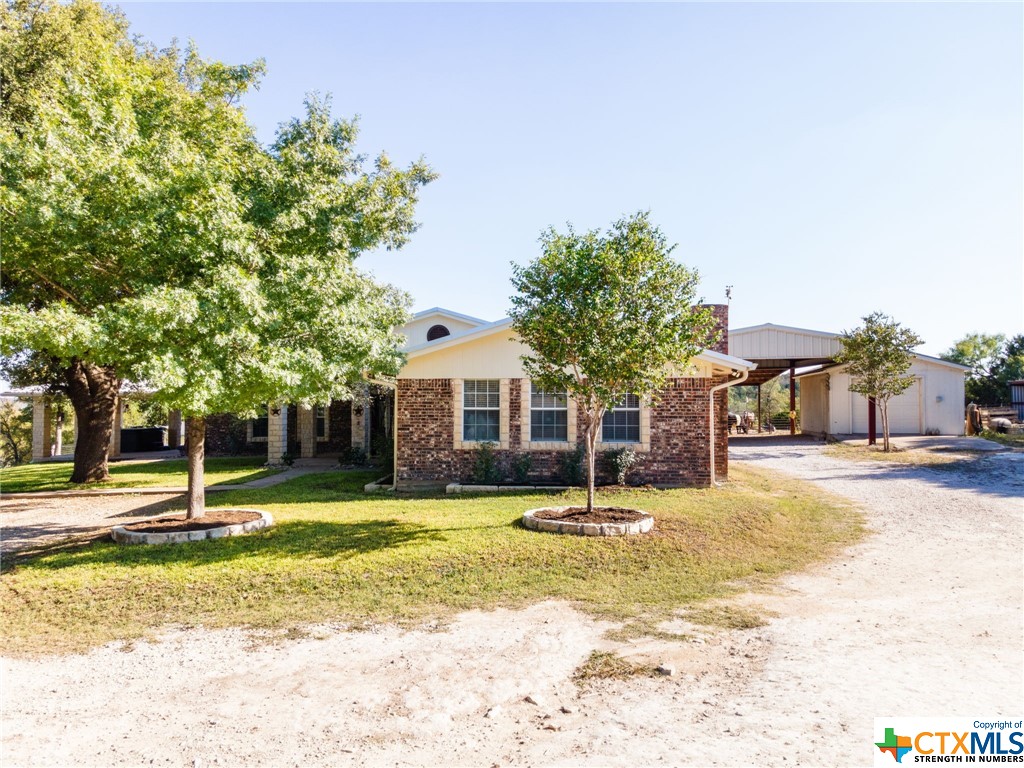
115 434
307 432
360 419
41 430
175 429
277 433
356 429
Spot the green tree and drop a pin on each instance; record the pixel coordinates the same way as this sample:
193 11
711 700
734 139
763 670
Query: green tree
151 238
119 168
605 315
1010 366
877 357
15 433
982 353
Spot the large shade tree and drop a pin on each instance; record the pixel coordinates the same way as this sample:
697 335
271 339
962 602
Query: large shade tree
135 194
118 168
878 356
605 315
994 362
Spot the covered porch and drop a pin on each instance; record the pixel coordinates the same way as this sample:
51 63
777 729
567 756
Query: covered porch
340 428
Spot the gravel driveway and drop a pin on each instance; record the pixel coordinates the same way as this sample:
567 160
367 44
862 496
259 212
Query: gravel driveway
922 618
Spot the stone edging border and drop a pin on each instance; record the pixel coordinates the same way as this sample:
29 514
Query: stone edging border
469 488
535 523
123 536
382 484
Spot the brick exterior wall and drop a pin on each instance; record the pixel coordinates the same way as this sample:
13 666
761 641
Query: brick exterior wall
679 435
425 432
679 453
339 428
227 435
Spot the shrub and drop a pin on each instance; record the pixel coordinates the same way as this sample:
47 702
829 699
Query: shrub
485 465
521 465
571 466
620 463
352 456
383 449
288 458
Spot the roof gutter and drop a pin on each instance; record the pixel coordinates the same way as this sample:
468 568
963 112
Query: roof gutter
711 418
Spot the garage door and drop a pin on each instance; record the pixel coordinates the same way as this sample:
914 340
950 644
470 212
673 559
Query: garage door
904 413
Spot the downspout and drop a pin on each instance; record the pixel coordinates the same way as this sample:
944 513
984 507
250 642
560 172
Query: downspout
394 429
711 417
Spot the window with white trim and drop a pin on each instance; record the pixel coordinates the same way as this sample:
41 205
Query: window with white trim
481 410
321 422
621 424
549 415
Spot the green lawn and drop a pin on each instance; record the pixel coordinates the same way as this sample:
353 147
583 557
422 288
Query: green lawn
53 476
1015 440
336 554
915 456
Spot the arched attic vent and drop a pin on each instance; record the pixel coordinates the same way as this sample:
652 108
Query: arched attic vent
437 332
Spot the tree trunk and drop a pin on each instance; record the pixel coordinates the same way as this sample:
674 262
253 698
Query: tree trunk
196 430
885 425
93 391
590 435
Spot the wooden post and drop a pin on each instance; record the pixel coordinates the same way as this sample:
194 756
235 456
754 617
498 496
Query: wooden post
792 397
871 421
759 409
58 432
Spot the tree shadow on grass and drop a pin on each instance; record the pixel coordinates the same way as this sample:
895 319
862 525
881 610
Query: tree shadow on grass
301 539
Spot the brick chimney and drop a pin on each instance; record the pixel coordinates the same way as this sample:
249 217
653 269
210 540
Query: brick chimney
721 313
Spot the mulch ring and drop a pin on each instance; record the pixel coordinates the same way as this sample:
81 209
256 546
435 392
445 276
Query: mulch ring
599 515
179 523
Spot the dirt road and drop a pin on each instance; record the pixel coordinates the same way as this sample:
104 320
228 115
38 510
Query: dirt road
923 618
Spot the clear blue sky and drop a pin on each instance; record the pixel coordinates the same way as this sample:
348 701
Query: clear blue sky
827 160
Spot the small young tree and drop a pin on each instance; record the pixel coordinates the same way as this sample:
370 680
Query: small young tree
877 357
605 316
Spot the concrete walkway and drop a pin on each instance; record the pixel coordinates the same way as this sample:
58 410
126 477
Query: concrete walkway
300 468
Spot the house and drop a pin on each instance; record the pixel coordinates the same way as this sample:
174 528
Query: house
462 386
